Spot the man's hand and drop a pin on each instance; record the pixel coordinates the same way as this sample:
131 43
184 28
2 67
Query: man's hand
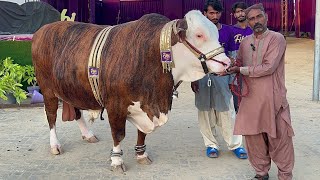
234 69
195 86
231 86
232 61
223 73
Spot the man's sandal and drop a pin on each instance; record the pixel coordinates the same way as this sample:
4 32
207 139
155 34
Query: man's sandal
212 152
258 177
241 153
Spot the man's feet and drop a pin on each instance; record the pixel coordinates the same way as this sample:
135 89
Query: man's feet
241 153
258 177
212 152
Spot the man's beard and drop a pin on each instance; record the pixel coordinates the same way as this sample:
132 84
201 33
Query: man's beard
215 21
241 19
258 27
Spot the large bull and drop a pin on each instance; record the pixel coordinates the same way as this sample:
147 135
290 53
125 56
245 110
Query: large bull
129 69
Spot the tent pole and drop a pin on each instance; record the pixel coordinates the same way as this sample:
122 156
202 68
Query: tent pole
316 72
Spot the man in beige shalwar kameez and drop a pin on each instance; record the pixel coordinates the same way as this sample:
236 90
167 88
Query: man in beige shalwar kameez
264 115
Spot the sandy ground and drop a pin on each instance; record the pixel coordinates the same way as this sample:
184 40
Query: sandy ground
177 148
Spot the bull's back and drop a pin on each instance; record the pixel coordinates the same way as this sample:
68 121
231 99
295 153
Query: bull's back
60 54
130 64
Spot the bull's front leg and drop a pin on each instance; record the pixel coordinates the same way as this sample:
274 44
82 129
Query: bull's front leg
140 148
118 133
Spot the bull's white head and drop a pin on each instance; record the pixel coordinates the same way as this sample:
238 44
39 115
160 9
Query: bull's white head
202 35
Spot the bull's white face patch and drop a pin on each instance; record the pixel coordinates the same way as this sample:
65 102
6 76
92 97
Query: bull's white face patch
140 119
204 36
53 138
187 66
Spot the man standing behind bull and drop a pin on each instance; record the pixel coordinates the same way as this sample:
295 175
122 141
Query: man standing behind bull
264 115
240 30
213 97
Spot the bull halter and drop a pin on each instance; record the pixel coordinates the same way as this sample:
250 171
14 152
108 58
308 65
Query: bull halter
166 49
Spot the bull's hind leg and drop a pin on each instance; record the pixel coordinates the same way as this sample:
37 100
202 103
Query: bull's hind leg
86 133
51 107
140 148
117 121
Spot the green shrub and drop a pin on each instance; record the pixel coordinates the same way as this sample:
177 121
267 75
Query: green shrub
11 77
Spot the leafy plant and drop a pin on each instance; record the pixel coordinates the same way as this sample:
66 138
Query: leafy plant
30 75
11 76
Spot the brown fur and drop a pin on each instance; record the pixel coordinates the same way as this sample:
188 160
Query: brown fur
130 70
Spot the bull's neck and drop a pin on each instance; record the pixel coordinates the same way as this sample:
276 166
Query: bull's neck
175 76
180 74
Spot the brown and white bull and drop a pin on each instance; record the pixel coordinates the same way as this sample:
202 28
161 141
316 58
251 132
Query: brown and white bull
129 78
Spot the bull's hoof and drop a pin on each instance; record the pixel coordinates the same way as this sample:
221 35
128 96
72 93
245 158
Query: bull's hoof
145 160
56 150
92 139
118 168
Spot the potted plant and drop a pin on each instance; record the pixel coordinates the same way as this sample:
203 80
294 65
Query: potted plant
31 79
11 76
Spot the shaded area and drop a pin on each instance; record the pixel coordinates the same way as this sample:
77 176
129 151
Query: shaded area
27 18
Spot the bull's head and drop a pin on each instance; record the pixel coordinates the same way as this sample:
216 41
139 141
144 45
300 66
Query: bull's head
199 41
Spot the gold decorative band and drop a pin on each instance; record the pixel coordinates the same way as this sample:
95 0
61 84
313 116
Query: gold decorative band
165 46
94 63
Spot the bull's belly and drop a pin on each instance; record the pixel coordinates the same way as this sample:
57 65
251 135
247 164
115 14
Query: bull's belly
140 119
80 102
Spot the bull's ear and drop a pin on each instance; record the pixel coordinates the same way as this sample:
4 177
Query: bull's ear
181 25
180 29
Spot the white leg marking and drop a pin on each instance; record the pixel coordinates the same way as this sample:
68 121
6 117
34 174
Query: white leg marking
83 127
141 120
116 161
53 138
144 155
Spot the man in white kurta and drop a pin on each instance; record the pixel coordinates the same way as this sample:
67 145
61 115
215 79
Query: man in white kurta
213 97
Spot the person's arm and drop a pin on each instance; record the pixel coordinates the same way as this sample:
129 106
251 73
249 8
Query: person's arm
231 44
271 59
232 54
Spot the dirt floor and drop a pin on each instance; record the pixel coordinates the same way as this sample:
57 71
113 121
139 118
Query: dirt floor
177 148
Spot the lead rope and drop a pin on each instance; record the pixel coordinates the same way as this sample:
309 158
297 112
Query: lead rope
237 91
175 92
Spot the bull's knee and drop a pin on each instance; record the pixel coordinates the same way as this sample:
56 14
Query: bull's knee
120 134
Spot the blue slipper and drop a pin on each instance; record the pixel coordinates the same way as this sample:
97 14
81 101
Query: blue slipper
212 152
241 153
